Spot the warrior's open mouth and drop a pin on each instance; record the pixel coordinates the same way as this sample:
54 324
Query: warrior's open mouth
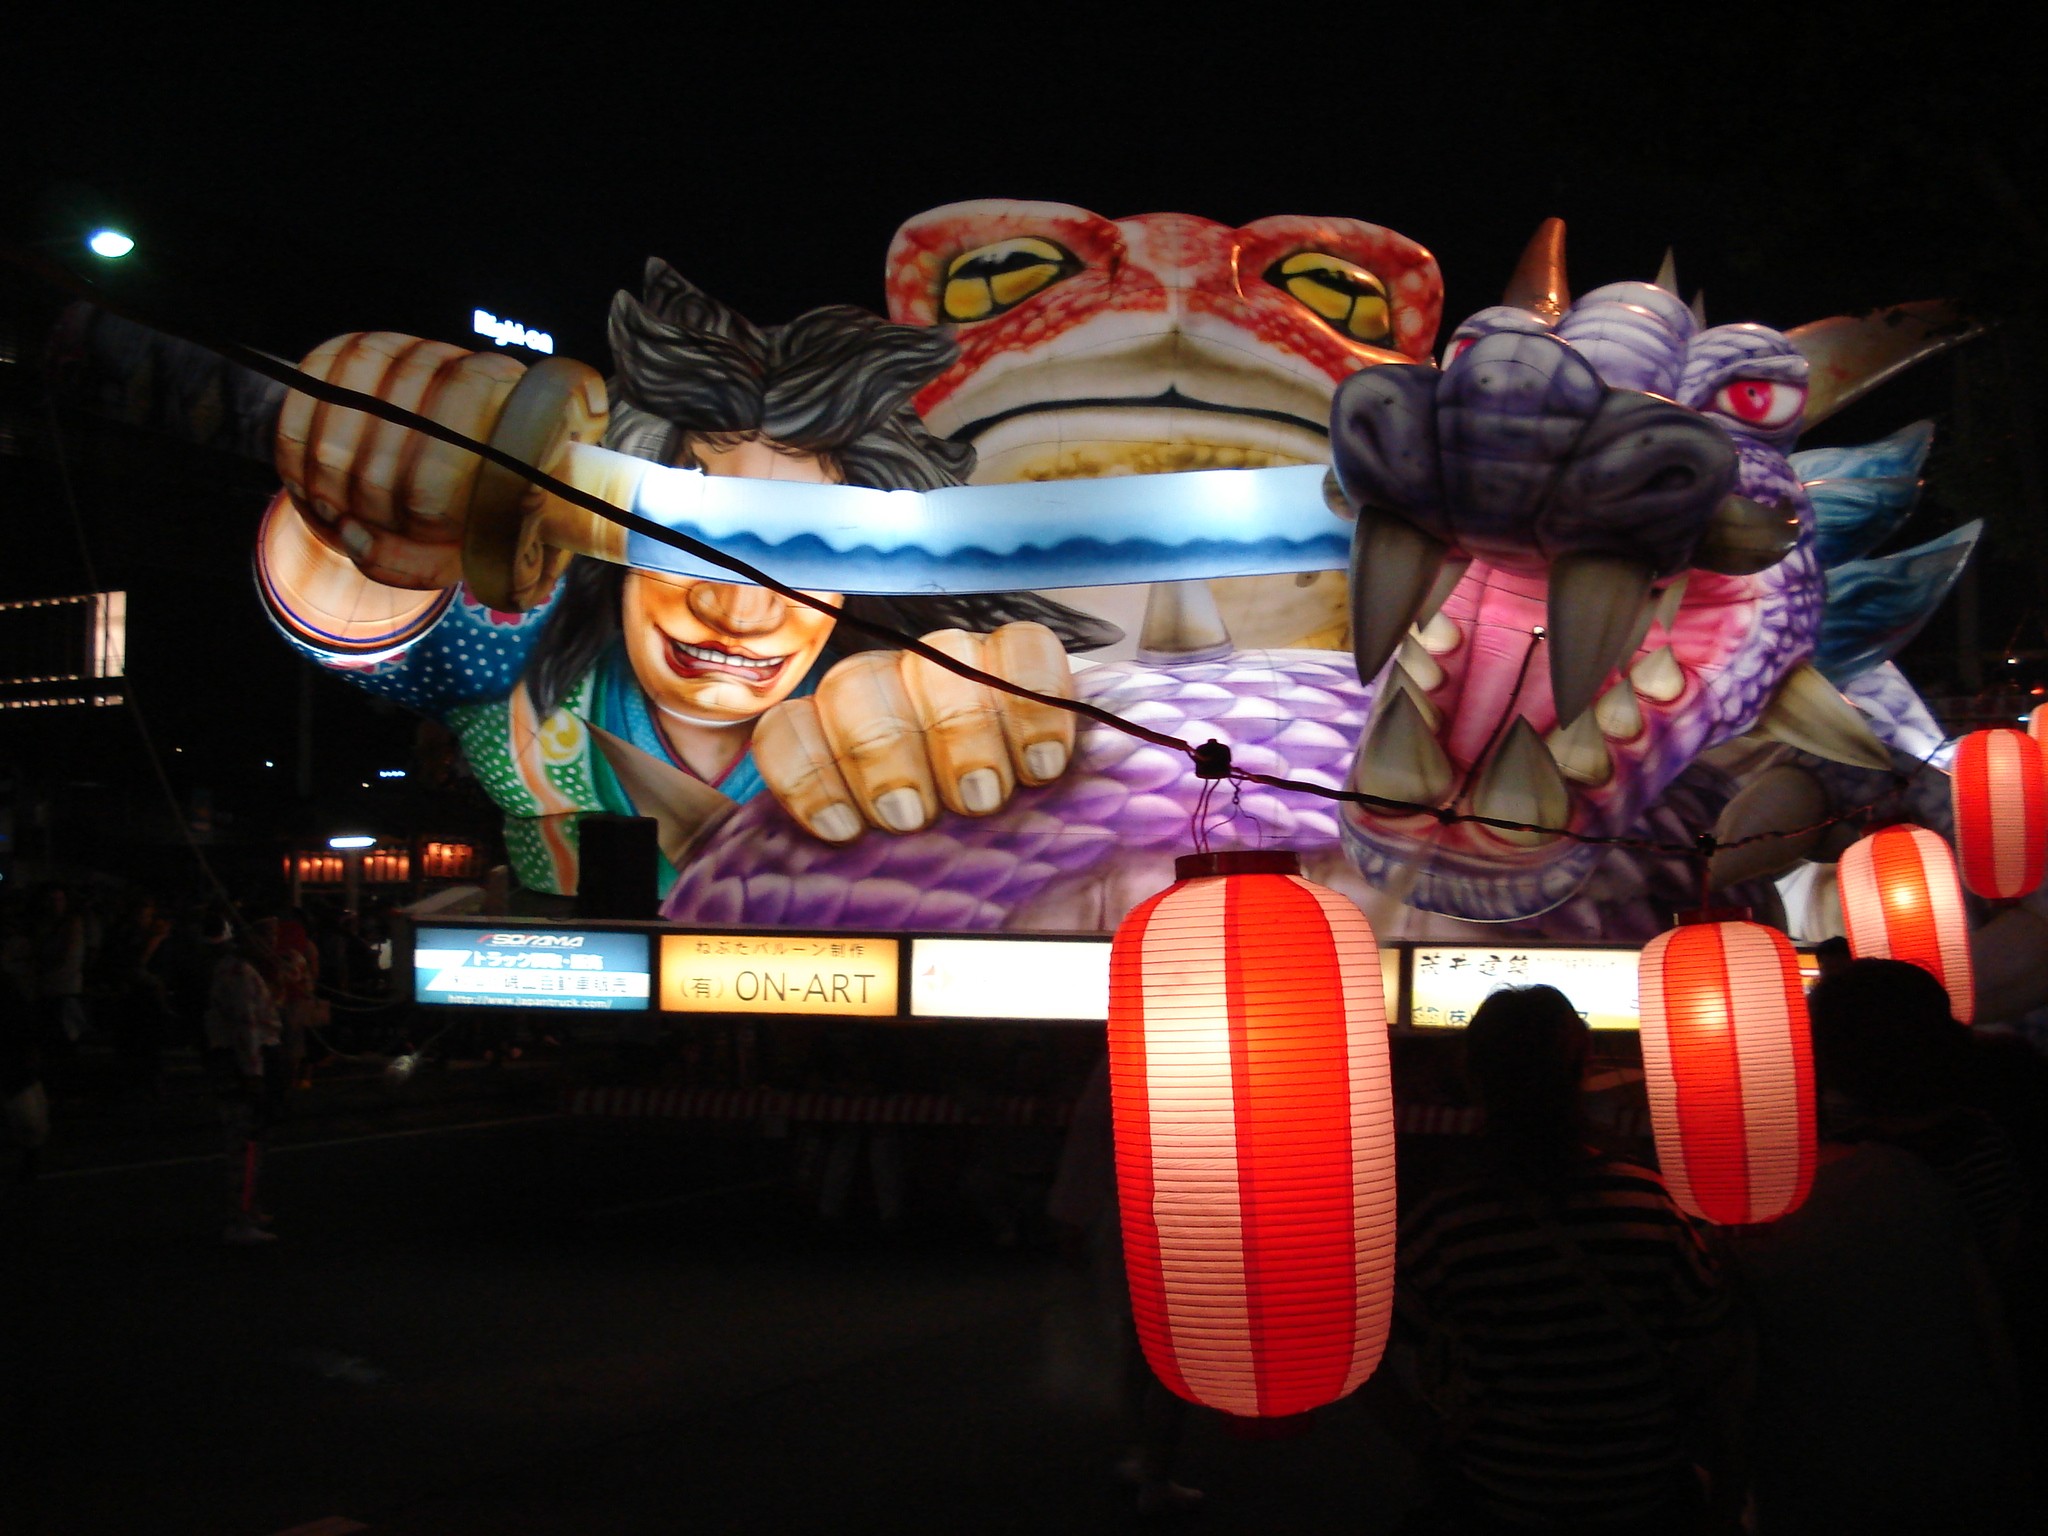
711 661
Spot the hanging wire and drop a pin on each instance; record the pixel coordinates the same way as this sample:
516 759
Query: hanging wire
1211 760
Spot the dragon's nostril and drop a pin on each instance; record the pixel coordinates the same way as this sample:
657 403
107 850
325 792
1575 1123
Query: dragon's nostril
1672 477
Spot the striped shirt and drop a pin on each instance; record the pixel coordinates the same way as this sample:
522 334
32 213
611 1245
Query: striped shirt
1567 1416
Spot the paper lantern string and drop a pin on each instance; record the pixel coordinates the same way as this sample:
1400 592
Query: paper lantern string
1210 759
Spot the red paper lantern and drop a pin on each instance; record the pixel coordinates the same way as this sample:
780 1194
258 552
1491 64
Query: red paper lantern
1901 901
1254 1135
1728 1062
2000 791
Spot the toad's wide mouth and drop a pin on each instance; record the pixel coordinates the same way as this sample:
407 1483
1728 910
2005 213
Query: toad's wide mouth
1096 439
701 661
1464 721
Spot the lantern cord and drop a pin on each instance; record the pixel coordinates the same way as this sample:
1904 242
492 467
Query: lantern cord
1198 823
1202 756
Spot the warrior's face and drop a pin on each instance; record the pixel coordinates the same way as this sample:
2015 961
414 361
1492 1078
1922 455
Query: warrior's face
716 652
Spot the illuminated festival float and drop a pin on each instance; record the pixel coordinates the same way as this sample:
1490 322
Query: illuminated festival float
1540 637
1157 578
1572 575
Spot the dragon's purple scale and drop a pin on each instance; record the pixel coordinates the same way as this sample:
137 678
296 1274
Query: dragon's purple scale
970 873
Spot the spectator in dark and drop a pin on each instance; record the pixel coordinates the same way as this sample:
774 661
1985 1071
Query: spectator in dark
1888 1399
1896 1061
1560 1315
57 935
242 1048
24 1104
299 1003
1832 955
136 1004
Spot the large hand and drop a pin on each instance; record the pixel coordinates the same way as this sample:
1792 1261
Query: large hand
394 502
888 736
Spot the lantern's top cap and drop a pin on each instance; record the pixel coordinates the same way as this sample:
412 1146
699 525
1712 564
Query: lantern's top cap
1237 861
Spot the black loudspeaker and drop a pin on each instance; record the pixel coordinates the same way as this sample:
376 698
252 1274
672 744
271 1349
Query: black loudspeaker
620 860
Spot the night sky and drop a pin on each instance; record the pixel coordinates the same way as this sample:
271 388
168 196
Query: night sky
291 176
311 175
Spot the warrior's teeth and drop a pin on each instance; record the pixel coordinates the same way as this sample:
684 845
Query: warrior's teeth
1658 676
1521 783
1779 800
1439 636
727 658
1580 752
1416 661
1809 714
1596 605
1400 759
1617 714
1393 566
1669 601
1445 584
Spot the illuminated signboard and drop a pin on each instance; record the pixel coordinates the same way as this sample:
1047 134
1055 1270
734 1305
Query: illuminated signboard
1009 979
1449 982
836 974
531 968
510 333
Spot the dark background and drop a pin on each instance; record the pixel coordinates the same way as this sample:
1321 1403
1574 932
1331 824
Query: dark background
294 175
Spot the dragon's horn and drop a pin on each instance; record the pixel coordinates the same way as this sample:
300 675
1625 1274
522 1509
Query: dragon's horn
1667 272
1539 281
1699 307
1852 355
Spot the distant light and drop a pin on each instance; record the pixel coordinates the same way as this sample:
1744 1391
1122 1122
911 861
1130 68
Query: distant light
390 773
2012 661
110 243
268 763
352 842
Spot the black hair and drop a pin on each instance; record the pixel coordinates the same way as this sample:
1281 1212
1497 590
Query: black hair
836 383
1885 1037
1525 1053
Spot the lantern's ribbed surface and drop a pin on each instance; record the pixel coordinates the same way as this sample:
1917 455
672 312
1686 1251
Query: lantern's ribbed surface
1901 901
1728 1062
2000 794
1254 1140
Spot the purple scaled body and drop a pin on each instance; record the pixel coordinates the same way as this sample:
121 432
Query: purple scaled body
1075 854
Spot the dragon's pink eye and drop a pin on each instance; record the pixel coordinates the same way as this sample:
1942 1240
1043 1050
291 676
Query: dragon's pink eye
1762 403
1457 349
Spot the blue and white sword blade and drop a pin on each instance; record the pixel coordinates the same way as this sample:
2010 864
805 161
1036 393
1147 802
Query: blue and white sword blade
993 538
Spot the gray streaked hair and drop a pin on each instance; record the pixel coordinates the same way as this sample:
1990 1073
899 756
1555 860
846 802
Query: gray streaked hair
836 382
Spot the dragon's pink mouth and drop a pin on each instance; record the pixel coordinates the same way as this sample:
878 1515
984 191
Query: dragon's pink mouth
1464 721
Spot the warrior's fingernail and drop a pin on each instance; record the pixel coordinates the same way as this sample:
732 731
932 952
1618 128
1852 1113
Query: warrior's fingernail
981 791
837 824
901 810
1043 760
356 537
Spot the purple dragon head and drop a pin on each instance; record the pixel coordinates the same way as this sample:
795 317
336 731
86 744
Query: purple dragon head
1582 558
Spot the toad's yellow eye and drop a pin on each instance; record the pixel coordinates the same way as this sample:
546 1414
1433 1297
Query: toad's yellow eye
1348 298
984 282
